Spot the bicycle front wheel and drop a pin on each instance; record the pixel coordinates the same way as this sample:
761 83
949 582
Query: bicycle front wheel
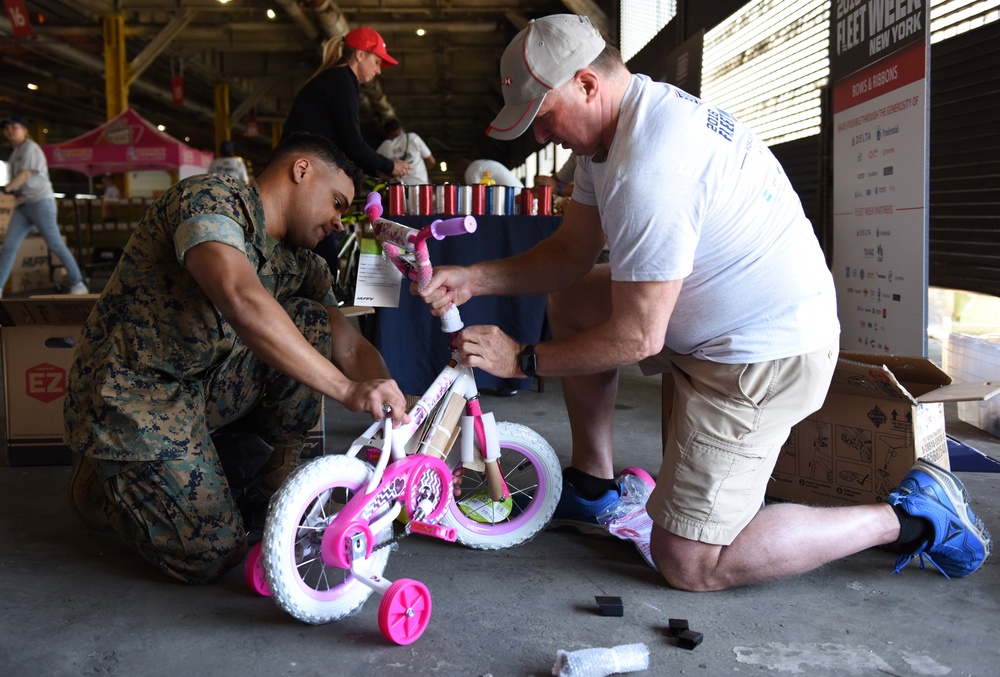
305 505
533 475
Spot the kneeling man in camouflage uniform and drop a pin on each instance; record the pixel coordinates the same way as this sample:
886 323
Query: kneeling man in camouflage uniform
218 315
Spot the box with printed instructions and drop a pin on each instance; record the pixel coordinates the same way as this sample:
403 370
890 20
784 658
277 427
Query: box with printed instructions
882 413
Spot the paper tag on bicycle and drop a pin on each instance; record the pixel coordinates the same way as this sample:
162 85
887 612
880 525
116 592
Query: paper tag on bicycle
378 279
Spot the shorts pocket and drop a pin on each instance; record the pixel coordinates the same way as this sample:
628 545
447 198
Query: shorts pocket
718 483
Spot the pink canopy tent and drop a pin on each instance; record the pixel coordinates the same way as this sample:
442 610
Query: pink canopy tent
126 143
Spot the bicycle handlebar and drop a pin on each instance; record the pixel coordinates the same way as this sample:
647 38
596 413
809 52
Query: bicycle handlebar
458 226
373 207
397 239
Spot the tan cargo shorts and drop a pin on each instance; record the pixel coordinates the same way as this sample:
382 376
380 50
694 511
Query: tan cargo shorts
724 427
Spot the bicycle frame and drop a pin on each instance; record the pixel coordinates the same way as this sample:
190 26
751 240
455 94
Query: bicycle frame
395 470
338 512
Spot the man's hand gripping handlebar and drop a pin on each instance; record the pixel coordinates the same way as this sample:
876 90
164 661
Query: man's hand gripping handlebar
407 248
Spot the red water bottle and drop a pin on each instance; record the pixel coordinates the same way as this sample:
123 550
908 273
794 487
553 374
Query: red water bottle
450 199
478 198
526 203
544 200
397 200
426 197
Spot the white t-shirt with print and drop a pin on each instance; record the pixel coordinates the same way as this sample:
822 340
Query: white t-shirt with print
687 192
410 148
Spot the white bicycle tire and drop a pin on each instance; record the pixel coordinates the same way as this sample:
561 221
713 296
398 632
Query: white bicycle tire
290 584
522 442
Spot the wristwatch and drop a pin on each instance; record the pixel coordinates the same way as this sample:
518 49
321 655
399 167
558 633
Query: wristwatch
528 361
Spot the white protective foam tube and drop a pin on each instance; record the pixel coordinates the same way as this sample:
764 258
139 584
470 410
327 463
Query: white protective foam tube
600 662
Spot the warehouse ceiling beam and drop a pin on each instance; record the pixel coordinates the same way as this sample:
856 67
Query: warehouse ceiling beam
294 11
155 47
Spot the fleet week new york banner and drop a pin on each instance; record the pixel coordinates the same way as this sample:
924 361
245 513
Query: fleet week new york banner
878 62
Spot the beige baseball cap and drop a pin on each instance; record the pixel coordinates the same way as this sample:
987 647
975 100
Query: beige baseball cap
542 57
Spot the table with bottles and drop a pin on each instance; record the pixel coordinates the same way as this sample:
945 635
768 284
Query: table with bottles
409 331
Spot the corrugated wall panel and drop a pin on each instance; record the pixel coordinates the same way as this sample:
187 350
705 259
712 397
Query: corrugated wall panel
965 162
706 14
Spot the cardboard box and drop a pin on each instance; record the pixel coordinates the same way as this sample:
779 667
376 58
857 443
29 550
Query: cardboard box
882 413
6 211
32 270
37 338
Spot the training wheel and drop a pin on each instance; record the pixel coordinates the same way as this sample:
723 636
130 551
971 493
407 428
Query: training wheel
405 611
253 572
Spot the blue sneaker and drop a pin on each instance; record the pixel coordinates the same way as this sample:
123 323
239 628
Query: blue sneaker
591 517
961 542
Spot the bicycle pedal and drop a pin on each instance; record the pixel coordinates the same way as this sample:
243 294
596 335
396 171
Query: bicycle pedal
435 530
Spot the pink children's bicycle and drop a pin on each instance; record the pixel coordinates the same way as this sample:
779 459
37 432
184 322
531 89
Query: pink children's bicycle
332 525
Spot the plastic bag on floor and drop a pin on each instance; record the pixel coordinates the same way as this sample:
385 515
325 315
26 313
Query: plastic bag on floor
628 519
600 662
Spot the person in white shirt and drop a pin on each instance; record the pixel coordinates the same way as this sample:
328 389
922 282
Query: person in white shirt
501 175
407 146
562 181
717 281
227 163
34 205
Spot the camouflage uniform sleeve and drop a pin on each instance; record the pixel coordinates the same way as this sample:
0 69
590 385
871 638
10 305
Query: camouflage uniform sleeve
207 228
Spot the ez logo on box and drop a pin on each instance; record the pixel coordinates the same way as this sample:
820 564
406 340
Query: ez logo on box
45 382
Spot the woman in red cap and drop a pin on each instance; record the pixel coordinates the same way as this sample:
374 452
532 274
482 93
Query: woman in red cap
328 103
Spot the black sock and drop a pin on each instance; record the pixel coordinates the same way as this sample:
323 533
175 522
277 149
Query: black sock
913 531
588 486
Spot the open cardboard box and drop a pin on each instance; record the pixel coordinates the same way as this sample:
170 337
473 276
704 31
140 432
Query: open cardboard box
882 413
37 337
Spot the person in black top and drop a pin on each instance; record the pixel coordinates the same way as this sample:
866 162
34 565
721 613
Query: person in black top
328 103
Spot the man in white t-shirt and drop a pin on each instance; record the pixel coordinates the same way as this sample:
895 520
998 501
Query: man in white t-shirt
716 277
402 145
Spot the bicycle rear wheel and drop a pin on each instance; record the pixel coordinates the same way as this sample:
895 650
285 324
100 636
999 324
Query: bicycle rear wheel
300 512
533 475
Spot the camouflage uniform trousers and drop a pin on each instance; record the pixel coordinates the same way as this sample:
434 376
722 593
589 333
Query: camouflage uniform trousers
180 514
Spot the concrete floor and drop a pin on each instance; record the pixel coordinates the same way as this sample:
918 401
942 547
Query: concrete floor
76 602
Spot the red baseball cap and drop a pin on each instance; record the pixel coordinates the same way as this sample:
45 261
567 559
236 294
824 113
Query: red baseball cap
367 40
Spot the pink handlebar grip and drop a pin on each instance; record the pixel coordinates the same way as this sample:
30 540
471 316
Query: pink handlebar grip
374 204
459 225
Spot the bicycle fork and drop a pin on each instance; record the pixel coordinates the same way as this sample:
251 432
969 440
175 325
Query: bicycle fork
482 428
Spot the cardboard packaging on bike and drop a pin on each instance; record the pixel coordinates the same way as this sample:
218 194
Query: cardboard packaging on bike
37 337
882 412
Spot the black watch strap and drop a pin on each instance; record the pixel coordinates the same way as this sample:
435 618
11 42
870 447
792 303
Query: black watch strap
528 361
